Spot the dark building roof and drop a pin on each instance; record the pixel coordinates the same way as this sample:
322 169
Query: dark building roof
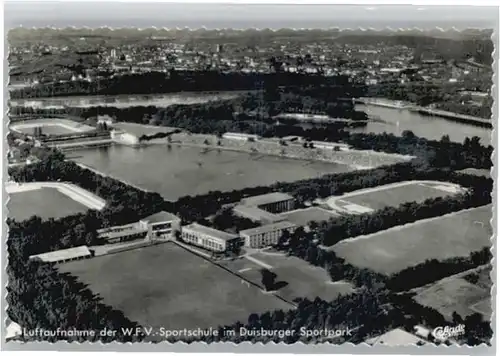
265 199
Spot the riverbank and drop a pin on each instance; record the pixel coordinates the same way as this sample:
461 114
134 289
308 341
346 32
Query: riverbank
429 111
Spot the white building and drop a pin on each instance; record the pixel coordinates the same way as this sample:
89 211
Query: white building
209 238
124 137
60 256
161 226
266 235
240 136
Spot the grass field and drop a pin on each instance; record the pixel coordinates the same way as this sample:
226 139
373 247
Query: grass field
392 250
295 277
179 171
398 195
167 286
457 294
44 202
303 216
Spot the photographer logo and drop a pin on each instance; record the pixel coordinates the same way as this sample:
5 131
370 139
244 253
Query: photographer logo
443 333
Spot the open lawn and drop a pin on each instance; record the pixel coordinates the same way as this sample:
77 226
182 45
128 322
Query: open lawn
302 217
457 294
45 202
390 251
295 277
167 286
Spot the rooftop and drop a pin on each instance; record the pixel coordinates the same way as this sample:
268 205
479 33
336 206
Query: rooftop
63 255
395 337
209 231
256 214
263 199
161 216
119 231
268 228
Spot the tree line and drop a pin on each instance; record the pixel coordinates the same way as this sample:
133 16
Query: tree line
175 81
41 297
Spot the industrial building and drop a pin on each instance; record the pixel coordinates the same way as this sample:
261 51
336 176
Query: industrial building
209 238
266 235
276 202
255 214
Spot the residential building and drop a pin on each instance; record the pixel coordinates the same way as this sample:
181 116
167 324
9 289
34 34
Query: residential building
209 238
266 235
162 225
272 202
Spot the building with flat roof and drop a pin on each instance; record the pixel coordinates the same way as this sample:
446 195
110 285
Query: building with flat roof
256 214
122 233
209 238
161 226
266 235
275 202
240 136
66 255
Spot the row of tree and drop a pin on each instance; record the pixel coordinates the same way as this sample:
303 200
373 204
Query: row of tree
176 81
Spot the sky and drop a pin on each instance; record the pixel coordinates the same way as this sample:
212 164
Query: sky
116 14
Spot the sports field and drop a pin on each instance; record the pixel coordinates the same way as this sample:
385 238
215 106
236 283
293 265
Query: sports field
295 277
302 217
371 199
460 294
390 251
167 286
50 127
45 202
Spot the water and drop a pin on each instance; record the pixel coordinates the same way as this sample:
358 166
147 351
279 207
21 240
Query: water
123 101
181 171
423 126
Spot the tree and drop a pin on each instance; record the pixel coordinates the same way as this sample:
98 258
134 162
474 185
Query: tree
268 279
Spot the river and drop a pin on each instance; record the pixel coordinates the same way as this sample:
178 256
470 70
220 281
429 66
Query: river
396 121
